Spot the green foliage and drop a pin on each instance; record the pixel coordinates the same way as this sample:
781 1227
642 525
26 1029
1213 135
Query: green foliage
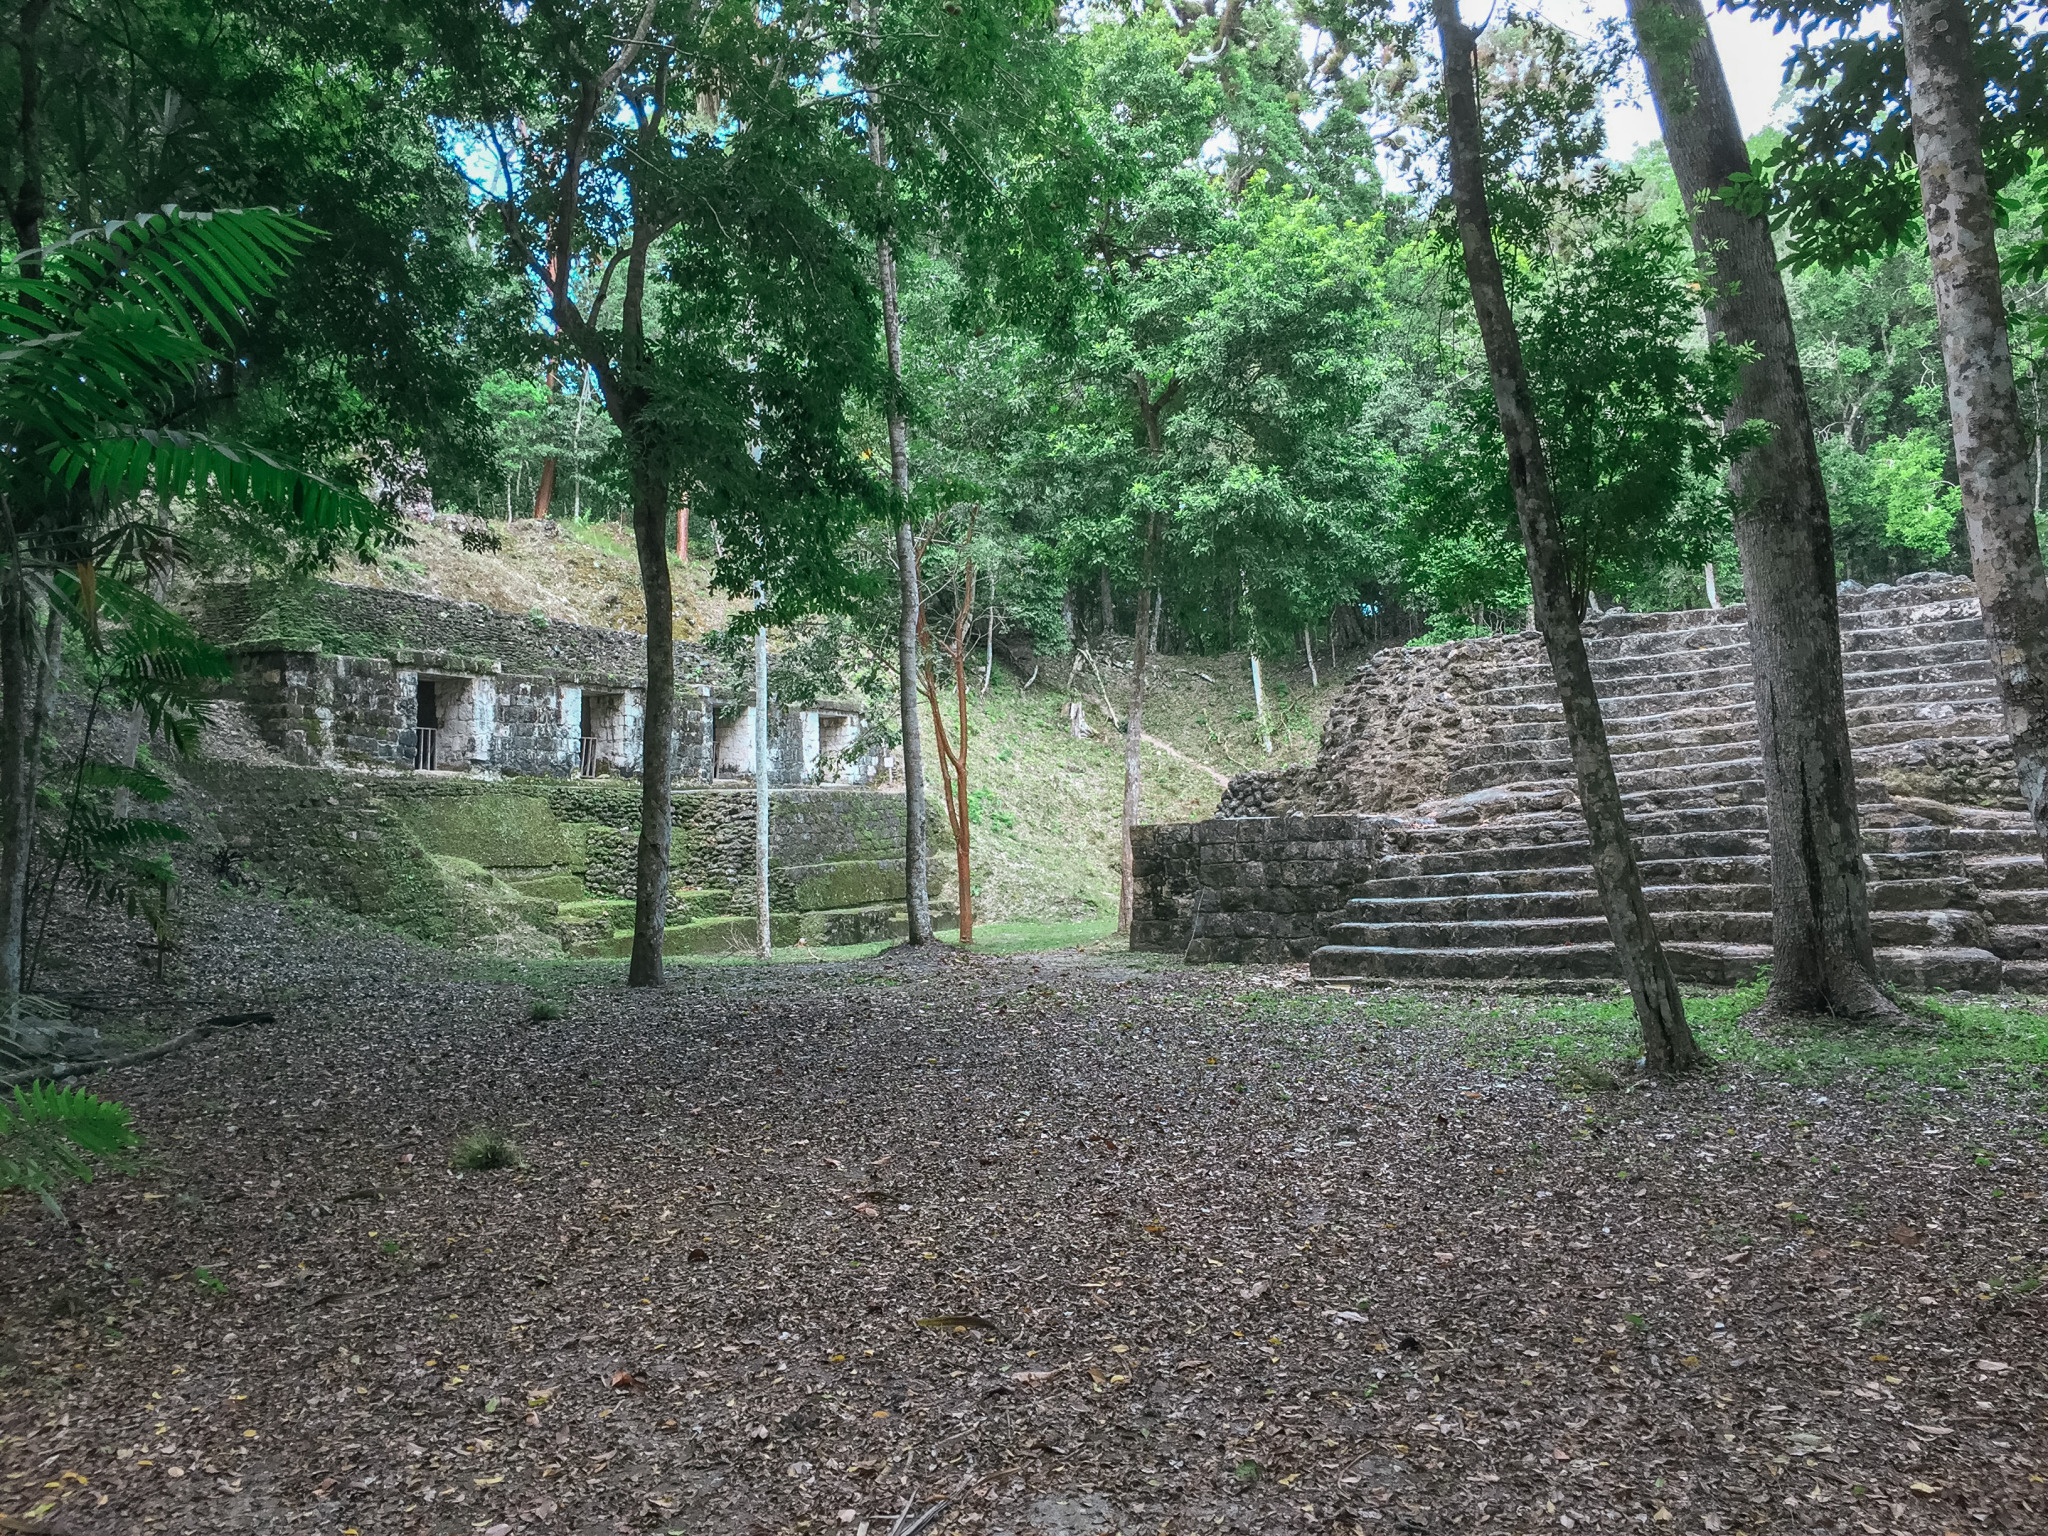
1842 182
2005 1038
1893 509
138 659
1630 410
97 345
51 1136
485 1151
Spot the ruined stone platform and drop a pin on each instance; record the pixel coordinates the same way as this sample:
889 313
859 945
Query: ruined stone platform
1451 762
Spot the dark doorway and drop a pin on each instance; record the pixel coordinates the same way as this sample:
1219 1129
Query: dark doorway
427 726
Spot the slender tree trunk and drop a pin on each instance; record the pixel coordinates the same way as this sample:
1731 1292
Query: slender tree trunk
683 530
988 660
26 208
1713 590
763 930
916 841
1259 705
1668 1044
1108 603
952 750
657 796
1308 646
1983 402
1134 718
17 788
544 497
1822 960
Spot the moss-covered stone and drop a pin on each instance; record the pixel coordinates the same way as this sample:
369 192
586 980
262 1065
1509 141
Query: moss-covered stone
851 883
564 888
492 826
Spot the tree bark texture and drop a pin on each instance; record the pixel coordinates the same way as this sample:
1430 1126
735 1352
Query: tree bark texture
916 840
1152 409
1668 1045
1991 432
763 930
952 746
1822 960
1108 601
17 796
26 208
657 751
544 496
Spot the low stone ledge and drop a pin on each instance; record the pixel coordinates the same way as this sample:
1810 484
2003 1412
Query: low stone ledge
1249 889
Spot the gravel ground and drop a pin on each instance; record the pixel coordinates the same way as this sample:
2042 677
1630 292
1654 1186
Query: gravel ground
1073 1243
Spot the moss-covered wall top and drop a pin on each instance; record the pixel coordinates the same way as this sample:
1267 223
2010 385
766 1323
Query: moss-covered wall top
405 626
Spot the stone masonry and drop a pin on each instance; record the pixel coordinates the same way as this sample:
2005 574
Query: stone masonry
1248 890
1481 869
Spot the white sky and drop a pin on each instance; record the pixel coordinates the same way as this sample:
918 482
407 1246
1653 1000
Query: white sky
1751 53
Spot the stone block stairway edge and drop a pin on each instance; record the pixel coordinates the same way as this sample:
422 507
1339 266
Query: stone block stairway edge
1494 881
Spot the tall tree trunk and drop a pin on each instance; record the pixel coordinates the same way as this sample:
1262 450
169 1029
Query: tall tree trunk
28 688
1108 603
683 529
1134 721
916 842
17 789
1668 1045
26 208
657 796
763 929
544 496
1822 961
1983 403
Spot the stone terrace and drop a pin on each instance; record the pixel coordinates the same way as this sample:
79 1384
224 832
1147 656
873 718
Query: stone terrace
1483 872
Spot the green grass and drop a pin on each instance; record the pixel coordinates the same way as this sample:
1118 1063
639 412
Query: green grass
1045 806
483 1151
1995 1035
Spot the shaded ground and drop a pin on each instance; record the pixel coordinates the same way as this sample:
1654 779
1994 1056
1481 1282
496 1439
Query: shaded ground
1078 1243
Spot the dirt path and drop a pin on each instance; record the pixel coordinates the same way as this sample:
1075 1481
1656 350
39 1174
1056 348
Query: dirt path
1078 1246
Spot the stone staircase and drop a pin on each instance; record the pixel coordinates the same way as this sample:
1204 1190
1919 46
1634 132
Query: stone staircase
1494 880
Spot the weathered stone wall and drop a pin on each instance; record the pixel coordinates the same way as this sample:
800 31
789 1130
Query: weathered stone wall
330 675
1247 889
429 632
455 859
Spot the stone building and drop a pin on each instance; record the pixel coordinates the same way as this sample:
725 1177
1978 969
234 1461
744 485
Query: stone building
1437 834
354 677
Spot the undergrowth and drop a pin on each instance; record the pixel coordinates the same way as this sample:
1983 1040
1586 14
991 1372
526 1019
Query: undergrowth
2001 1036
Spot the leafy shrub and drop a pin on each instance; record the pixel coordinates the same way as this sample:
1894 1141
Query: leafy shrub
480 538
545 1010
483 1151
50 1135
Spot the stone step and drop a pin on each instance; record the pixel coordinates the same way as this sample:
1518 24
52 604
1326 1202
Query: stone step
1566 901
1923 970
2021 908
2009 872
1909 680
2018 941
1927 709
1460 898
1740 870
1683 926
1993 842
1900 610
2027 975
1710 965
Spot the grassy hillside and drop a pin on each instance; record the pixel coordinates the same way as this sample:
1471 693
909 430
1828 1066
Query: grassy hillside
580 573
1045 804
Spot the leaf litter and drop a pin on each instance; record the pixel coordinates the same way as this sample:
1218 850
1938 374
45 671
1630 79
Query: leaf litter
1061 1243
